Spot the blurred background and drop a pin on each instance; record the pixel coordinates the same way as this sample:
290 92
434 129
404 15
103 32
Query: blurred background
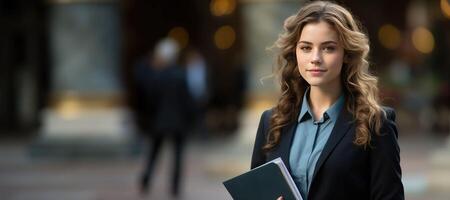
72 105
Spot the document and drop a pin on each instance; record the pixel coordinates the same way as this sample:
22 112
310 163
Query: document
266 182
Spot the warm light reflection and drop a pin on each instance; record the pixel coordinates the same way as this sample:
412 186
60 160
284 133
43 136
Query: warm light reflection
445 7
224 37
389 36
222 7
181 35
423 40
69 108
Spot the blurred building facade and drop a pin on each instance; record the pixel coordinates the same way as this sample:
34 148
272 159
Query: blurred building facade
50 59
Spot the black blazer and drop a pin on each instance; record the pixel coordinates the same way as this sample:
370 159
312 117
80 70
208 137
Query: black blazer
344 171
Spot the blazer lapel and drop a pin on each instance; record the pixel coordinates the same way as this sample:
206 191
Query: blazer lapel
286 142
284 147
341 127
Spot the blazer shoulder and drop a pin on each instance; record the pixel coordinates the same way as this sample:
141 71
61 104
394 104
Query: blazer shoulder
389 112
264 123
389 123
265 117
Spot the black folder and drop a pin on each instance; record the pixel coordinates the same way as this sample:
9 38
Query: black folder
266 182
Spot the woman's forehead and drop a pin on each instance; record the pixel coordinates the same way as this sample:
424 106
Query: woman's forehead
318 32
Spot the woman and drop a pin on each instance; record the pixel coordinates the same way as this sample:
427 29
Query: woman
328 126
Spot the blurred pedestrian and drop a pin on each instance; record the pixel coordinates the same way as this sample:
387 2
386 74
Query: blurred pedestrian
197 84
163 84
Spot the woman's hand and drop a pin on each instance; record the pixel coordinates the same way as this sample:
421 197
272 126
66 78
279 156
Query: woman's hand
280 198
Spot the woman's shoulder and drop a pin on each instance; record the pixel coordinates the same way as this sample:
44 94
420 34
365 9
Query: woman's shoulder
388 126
264 120
267 114
389 113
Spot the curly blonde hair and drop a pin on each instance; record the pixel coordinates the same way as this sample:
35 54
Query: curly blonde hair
359 86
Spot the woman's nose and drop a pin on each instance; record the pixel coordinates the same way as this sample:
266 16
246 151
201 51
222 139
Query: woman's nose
316 57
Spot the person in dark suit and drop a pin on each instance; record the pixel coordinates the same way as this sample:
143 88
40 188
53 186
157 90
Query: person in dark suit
328 126
197 80
167 111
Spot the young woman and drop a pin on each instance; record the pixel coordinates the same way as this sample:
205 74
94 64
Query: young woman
328 126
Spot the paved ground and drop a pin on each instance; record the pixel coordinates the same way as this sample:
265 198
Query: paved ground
207 165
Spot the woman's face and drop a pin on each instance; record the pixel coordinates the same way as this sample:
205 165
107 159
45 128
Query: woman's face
320 55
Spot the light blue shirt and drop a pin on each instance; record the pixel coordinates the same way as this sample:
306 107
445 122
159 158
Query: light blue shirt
196 79
309 140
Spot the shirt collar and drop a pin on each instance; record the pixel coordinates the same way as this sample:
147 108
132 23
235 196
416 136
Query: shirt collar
305 112
332 111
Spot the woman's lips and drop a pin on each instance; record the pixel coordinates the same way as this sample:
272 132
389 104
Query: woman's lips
316 72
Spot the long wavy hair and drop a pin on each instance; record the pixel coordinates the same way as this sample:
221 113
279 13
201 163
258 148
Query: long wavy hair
359 86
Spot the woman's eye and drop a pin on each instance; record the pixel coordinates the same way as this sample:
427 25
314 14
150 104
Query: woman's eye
305 48
329 49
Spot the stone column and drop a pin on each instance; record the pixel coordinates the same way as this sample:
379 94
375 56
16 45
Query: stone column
263 21
85 115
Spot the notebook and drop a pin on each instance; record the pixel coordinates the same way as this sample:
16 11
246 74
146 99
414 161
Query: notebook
266 182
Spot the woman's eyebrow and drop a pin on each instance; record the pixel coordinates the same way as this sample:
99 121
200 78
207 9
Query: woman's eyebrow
329 42
306 42
323 43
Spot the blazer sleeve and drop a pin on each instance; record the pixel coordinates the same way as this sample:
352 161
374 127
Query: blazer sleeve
385 170
258 156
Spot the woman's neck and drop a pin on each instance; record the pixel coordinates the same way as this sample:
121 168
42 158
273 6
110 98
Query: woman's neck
320 99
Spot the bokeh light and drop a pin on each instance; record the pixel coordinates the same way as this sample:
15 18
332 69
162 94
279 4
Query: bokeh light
423 40
181 35
222 7
224 37
445 7
389 36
